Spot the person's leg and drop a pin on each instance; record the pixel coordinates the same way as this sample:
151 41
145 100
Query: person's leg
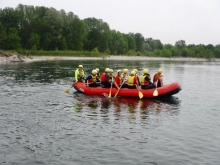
124 86
92 85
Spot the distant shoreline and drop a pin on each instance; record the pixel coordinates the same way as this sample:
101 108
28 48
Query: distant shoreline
128 58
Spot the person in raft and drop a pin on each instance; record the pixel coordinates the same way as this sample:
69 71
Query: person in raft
92 79
158 78
119 81
132 80
98 74
145 80
136 75
79 74
124 75
105 78
111 77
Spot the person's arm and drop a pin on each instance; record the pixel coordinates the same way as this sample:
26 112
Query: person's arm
76 75
83 74
117 81
147 78
106 77
138 80
155 79
161 80
87 78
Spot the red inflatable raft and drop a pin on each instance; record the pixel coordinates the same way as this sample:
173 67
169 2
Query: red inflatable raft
164 91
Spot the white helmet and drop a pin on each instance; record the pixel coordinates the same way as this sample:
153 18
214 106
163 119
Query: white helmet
110 70
125 71
160 71
145 71
94 72
133 72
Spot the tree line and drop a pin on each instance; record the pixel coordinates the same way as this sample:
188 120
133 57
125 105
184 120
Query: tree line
41 28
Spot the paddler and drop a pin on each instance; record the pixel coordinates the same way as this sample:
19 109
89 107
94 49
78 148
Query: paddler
158 78
79 74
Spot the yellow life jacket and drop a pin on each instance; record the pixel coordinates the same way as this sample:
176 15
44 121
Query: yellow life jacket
80 74
131 81
94 78
143 81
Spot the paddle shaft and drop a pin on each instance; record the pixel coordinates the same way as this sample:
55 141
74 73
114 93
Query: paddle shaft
120 88
110 93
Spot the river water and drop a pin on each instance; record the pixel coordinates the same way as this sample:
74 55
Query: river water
41 124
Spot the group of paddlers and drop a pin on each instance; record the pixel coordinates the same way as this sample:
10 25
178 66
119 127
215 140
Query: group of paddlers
122 79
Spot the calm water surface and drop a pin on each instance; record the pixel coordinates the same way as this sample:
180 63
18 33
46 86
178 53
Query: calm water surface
41 124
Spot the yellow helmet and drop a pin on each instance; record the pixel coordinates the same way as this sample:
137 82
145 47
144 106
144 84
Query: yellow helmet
145 71
94 72
106 69
133 72
80 66
125 71
160 71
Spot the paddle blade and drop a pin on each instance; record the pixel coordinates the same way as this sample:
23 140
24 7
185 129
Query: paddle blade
155 93
67 91
110 95
140 94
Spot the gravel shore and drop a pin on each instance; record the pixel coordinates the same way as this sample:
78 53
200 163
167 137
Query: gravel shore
131 58
18 58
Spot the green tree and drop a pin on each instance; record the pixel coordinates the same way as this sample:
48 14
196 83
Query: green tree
217 52
74 31
97 34
185 52
9 18
55 26
139 40
180 44
34 41
117 43
13 40
26 15
166 53
3 37
130 39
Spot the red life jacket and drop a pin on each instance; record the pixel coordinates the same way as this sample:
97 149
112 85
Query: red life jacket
118 80
103 77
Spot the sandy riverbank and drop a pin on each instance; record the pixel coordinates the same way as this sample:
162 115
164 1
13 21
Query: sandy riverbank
18 58
140 58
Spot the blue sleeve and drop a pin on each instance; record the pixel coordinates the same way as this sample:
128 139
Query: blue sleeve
88 77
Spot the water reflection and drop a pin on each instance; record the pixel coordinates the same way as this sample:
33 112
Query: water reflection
134 109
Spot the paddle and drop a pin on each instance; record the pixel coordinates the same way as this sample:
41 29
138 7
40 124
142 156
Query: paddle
155 91
140 94
67 91
119 88
110 93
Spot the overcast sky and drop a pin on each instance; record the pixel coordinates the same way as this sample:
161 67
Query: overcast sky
195 21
